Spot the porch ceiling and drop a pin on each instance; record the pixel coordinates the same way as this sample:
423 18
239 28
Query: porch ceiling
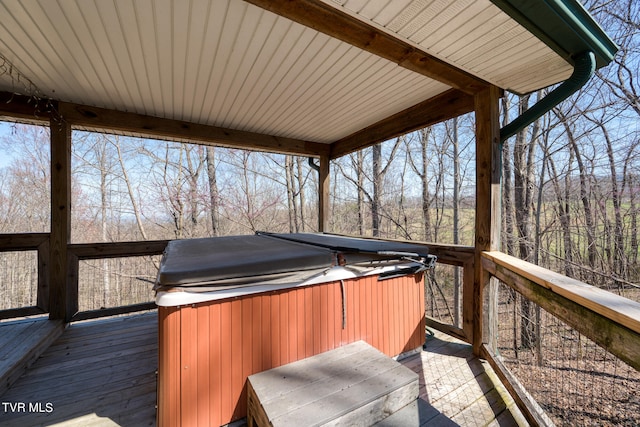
317 71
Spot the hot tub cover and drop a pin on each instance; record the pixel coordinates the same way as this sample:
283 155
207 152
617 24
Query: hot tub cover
240 260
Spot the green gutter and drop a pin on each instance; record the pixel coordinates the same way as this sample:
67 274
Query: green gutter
567 28
585 66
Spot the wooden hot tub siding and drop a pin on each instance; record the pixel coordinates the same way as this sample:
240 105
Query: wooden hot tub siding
207 350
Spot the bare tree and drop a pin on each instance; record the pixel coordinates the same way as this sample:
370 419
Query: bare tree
421 168
24 186
621 18
178 175
584 186
302 200
214 195
129 184
294 225
524 186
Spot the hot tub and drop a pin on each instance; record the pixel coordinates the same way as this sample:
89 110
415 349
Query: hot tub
229 307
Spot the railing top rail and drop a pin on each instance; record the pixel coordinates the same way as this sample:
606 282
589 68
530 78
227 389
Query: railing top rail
117 249
446 253
22 241
619 309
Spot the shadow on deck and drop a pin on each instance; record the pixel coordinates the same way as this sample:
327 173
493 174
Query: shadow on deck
103 373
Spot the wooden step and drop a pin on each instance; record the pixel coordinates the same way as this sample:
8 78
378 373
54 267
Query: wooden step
351 385
21 343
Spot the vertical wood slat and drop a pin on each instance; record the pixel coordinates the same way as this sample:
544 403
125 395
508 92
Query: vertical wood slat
227 350
215 369
169 366
189 365
207 350
202 327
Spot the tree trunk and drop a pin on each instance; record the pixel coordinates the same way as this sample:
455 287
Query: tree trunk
584 191
421 169
291 203
507 189
301 194
563 212
523 192
619 255
456 218
132 196
377 189
360 185
214 196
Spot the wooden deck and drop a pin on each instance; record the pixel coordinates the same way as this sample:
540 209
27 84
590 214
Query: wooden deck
98 373
21 343
103 373
458 389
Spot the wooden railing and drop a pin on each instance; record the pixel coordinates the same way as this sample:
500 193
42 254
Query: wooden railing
87 251
458 256
609 320
30 242
76 252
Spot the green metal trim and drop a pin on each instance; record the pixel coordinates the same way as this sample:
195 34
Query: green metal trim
585 66
567 28
564 25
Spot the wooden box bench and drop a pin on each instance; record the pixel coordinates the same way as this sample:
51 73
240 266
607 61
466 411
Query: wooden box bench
351 385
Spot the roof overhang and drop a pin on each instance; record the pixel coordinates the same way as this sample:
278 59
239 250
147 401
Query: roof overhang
313 77
564 25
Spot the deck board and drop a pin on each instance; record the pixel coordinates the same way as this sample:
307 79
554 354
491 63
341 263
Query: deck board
103 373
457 388
21 343
98 373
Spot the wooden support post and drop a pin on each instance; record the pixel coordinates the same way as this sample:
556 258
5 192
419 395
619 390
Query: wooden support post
488 178
59 305
323 194
468 285
44 257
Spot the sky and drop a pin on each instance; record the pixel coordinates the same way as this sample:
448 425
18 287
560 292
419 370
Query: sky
5 130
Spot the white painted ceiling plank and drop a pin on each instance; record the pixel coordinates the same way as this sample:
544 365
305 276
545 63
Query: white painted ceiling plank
205 80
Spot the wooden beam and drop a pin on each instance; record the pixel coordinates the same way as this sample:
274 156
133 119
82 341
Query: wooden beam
12 313
104 120
22 241
448 329
488 177
341 25
444 106
323 194
28 108
113 311
60 219
118 249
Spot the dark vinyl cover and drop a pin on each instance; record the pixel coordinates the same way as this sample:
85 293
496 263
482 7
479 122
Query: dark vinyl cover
354 244
207 260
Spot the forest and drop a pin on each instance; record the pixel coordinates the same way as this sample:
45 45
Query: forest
570 180
570 200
